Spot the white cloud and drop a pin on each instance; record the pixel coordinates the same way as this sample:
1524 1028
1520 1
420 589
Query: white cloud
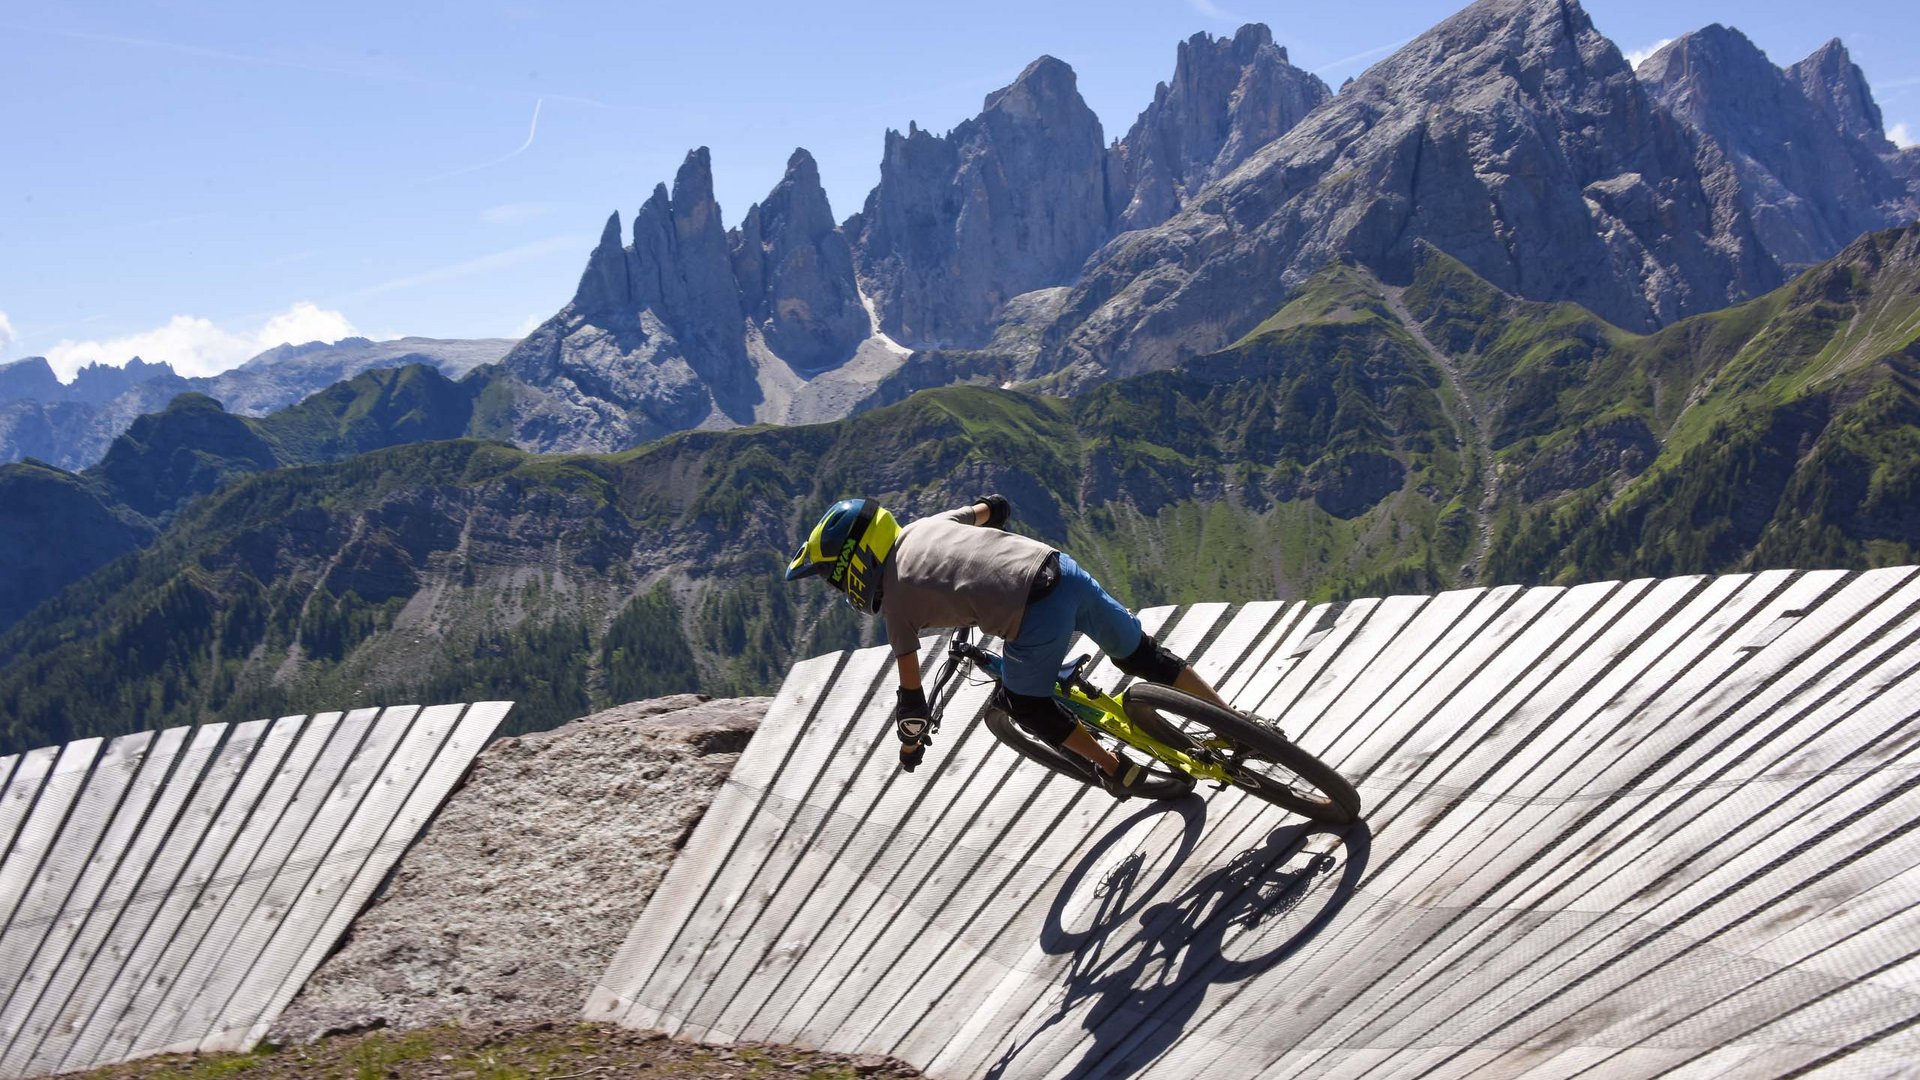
1639 56
1902 136
304 322
512 213
195 346
6 333
529 325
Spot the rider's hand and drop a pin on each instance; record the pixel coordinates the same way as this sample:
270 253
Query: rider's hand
998 510
912 756
911 717
912 722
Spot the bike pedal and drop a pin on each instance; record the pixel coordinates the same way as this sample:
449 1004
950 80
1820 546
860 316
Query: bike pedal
1218 786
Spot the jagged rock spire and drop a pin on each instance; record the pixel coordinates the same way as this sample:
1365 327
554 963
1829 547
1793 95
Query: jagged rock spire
1009 201
1838 89
1229 97
795 272
1808 186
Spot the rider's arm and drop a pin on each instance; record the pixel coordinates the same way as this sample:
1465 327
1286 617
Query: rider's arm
909 670
982 511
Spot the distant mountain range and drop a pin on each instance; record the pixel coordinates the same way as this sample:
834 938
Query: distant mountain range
70 425
1366 438
1021 246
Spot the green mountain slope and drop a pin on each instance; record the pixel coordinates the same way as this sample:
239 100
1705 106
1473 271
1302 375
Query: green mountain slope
167 459
1364 440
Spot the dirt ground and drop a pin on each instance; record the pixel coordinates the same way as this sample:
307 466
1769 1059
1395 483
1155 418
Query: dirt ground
509 1050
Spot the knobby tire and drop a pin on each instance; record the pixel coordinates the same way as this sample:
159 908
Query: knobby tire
1322 794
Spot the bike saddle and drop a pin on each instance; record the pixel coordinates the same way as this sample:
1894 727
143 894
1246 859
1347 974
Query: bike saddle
1071 670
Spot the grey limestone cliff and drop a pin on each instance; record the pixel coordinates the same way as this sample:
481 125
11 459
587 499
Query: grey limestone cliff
1229 97
1513 136
32 378
1796 163
1837 87
795 272
1007 202
656 338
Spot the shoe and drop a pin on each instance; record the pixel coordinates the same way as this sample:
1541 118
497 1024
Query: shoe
1124 781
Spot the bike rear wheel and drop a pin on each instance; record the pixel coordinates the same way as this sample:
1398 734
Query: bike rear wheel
1162 781
1263 762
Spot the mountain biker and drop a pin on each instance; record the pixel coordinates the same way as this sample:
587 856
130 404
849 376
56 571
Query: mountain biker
962 568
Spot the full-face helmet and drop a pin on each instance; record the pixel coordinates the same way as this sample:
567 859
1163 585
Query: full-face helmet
850 545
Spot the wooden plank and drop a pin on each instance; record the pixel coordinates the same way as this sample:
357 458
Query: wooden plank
688 878
1378 639
442 745
1262 661
731 869
1328 633
125 783
1224 659
37 918
248 859
26 774
1118 913
1614 828
44 821
139 950
336 844
1106 871
259 901
809 925
124 909
868 814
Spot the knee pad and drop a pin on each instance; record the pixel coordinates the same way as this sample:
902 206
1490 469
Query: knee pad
1151 661
1043 716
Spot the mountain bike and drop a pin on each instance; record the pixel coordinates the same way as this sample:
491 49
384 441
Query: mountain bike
1185 739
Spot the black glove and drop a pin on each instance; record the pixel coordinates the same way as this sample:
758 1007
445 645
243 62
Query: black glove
998 510
913 723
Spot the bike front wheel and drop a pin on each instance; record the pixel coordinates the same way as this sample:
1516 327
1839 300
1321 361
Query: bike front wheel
1261 761
1162 782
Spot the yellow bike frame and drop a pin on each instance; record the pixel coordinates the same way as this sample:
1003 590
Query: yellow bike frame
1108 714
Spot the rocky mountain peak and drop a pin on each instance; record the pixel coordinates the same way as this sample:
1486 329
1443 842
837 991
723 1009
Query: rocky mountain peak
30 379
1229 97
1043 88
1512 136
604 286
1007 202
1808 187
1838 89
795 272
97 384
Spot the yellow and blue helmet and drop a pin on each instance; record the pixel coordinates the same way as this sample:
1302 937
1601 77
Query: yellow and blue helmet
850 546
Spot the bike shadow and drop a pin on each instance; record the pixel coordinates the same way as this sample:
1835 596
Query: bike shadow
1139 973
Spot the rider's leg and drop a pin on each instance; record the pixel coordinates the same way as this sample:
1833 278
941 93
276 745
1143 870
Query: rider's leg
1032 663
1138 654
1048 722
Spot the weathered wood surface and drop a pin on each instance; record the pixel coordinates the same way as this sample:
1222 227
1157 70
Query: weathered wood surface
172 890
1627 829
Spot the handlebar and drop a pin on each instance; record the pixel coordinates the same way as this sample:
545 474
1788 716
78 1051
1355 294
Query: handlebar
959 648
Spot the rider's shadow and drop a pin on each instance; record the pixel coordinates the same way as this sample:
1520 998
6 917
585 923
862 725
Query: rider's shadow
1135 983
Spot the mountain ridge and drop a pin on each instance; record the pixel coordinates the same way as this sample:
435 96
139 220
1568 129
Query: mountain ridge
1512 135
1327 454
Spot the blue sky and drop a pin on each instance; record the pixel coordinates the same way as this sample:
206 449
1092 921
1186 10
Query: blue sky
197 181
